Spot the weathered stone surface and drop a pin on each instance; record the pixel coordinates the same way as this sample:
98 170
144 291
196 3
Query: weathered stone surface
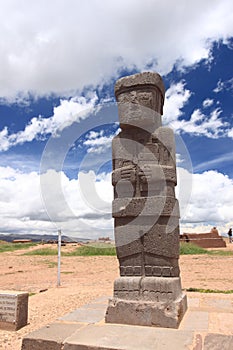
206 326
152 289
13 309
218 341
145 209
145 206
147 301
122 337
50 337
167 314
204 240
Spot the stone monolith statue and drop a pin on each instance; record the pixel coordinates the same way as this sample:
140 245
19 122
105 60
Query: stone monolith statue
145 210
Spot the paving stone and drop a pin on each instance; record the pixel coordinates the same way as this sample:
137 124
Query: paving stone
218 342
94 306
218 304
220 322
85 315
50 337
103 299
193 302
196 321
122 337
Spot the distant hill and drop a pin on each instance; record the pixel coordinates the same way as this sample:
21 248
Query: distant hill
39 238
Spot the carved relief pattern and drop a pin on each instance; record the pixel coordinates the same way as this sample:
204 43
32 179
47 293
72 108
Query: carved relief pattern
144 174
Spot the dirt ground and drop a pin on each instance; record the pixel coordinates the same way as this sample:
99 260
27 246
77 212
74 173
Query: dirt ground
84 279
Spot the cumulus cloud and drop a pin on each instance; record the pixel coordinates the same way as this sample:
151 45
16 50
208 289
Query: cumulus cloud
210 125
46 48
175 99
230 133
67 206
97 142
82 207
64 115
204 205
200 124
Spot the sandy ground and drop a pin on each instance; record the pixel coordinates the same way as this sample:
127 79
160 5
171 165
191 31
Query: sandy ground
84 279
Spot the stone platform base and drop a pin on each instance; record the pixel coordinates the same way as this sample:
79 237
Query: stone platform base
207 325
147 301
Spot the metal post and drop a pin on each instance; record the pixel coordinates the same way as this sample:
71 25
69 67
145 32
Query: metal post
59 259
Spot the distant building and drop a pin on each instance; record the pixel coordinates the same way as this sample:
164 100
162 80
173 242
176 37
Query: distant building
21 241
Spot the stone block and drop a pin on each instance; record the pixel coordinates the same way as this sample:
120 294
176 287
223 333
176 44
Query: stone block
13 310
167 314
147 301
50 337
122 337
85 315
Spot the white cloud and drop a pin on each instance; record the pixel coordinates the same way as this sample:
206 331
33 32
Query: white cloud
175 99
82 207
69 206
214 163
219 87
63 116
211 199
48 48
230 133
97 142
198 123
4 139
224 85
207 102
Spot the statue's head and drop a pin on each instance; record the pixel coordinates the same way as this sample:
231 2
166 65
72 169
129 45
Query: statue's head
140 99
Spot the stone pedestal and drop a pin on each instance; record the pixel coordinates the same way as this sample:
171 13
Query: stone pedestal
147 301
13 310
145 210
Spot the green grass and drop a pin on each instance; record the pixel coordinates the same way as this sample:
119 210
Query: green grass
200 290
92 251
67 272
81 251
42 251
51 264
106 250
100 245
191 249
220 252
10 247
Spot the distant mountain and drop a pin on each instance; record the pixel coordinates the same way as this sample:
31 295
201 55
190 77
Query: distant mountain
39 238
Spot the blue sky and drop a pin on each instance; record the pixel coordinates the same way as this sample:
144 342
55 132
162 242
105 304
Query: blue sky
59 61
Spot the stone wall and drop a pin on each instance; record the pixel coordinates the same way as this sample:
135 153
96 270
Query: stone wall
204 240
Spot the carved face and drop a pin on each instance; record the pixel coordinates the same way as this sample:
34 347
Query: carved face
146 99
